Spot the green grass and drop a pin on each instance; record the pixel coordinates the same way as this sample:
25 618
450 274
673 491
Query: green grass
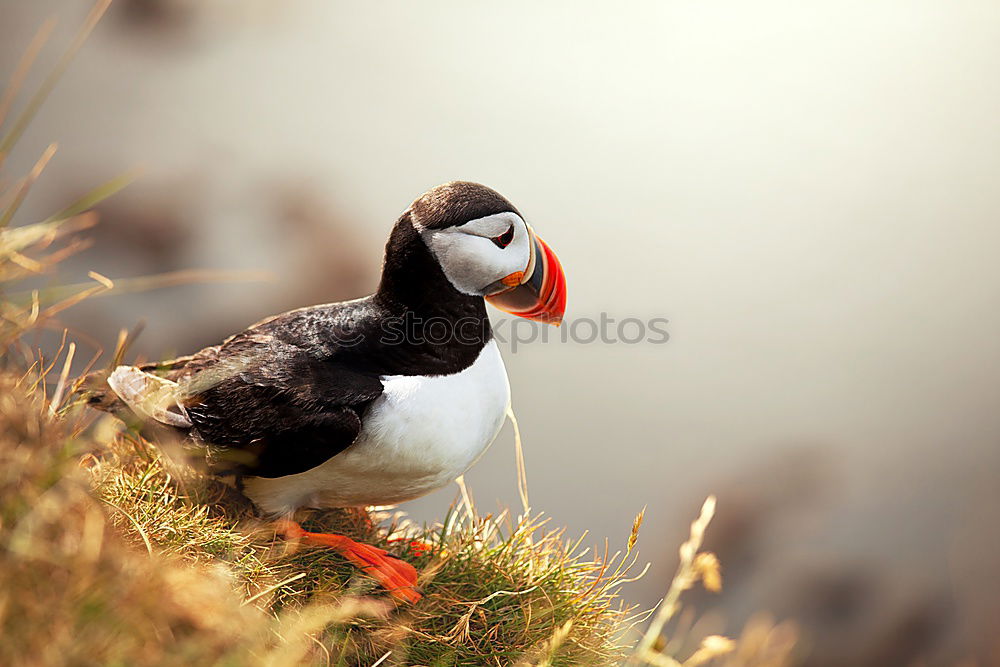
495 591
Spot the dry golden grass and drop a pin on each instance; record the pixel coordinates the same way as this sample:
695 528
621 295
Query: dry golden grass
71 590
762 643
494 593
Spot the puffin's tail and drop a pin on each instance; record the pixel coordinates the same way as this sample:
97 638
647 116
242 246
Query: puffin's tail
132 394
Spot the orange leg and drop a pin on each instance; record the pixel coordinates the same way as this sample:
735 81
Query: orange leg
398 576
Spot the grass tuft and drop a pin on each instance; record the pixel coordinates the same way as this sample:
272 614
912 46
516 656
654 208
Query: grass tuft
496 591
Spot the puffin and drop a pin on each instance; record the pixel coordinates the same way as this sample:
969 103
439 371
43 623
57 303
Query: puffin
372 401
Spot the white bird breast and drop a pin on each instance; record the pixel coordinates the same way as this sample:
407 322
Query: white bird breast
419 435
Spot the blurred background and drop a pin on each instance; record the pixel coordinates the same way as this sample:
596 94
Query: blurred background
808 192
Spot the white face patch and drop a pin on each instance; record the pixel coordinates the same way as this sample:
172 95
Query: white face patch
469 257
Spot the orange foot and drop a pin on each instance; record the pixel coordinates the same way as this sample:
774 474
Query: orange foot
417 547
396 575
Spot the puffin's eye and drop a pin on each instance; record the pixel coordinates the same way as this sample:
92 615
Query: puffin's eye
504 239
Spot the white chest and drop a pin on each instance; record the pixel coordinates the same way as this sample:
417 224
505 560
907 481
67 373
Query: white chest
419 435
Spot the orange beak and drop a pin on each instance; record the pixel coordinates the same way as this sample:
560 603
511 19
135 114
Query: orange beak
541 292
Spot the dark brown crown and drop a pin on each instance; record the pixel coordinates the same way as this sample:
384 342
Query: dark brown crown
456 203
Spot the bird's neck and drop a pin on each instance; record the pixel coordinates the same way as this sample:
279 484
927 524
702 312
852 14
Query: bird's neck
413 284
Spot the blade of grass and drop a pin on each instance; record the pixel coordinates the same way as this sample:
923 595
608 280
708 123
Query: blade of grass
95 196
71 301
104 280
146 283
26 262
271 589
685 577
522 471
125 339
26 116
26 184
21 71
63 377
17 239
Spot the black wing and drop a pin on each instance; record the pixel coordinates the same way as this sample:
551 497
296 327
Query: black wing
277 399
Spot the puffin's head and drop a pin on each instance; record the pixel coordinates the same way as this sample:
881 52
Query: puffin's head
485 248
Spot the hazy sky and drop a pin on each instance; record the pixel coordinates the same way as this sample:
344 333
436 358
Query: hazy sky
807 191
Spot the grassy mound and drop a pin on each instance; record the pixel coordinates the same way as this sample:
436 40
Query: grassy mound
491 595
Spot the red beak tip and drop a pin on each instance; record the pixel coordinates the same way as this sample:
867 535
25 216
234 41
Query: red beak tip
541 298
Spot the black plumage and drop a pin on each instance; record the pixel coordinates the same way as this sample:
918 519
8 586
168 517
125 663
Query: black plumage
290 392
